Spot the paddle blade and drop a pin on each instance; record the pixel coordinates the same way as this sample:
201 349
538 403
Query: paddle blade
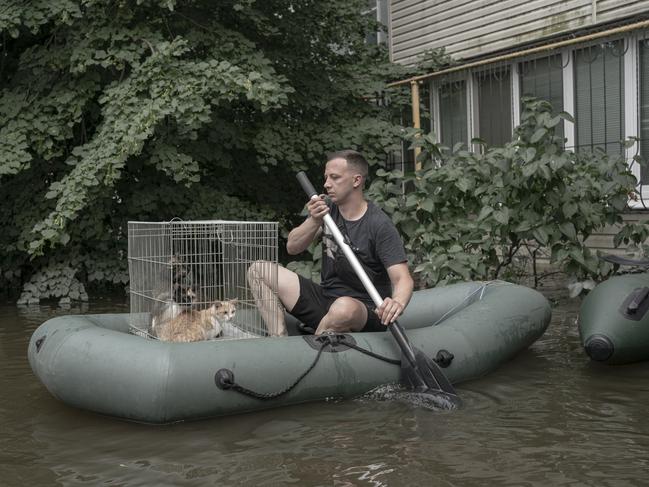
427 378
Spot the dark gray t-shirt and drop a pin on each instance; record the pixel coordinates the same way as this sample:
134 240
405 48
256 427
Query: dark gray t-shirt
377 244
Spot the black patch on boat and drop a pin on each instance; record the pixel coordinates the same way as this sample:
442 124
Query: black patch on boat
39 343
444 358
334 342
636 304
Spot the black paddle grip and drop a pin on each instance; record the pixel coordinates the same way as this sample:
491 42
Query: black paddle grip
308 188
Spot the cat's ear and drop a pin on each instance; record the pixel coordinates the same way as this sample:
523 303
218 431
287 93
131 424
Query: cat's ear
234 300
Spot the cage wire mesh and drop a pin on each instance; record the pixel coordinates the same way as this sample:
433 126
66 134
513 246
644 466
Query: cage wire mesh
179 268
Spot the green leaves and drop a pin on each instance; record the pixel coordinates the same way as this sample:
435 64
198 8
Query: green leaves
538 135
180 167
502 216
568 229
541 235
569 209
485 212
55 280
14 16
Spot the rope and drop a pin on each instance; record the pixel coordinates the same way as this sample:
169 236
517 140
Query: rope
371 354
225 379
263 396
480 290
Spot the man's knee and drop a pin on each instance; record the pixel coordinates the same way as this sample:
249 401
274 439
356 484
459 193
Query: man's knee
259 270
346 311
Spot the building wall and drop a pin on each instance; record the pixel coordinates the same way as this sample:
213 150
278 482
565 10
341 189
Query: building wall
469 28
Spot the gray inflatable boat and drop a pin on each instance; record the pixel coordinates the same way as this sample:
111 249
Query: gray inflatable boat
92 362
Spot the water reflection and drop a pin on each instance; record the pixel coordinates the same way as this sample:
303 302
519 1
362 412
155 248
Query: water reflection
548 417
368 474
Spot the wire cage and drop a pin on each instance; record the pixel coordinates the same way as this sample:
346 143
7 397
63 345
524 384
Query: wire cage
180 268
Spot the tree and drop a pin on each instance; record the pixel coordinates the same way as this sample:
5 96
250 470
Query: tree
148 110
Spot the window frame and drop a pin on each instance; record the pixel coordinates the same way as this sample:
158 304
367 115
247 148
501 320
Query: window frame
434 94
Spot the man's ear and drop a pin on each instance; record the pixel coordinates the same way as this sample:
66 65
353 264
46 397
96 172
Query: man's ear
358 180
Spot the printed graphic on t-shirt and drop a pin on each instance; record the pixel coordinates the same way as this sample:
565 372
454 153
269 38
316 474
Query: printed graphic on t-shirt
330 245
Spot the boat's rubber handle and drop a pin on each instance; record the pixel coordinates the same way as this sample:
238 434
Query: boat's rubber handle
308 188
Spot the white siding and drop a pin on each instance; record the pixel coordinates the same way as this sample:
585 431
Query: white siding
603 240
468 28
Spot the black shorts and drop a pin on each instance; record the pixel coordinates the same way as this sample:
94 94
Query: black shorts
312 305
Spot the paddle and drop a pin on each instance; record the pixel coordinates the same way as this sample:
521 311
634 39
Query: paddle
418 372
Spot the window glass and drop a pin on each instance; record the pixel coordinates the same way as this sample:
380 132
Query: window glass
495 106
378 9
644 108
543 79
599 97
453 113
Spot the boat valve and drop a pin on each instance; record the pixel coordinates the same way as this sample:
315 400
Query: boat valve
444 358
599 347
224 379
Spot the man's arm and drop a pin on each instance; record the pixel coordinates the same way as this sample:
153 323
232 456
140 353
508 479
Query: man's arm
301 236
402 286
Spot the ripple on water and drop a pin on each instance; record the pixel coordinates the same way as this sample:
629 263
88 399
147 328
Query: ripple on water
431 400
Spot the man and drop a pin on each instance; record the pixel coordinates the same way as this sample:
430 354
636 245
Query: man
339 303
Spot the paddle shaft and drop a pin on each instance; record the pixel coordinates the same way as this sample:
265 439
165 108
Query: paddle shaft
395 327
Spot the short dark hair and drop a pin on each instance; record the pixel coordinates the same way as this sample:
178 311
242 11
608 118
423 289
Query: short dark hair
353 158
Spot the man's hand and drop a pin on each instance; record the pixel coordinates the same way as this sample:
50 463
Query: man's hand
389 311
317 209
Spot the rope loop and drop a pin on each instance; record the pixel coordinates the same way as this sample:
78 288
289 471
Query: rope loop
224 378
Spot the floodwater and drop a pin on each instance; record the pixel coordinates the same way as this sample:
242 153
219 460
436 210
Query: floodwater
548 417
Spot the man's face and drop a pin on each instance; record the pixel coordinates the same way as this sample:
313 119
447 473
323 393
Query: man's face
339 180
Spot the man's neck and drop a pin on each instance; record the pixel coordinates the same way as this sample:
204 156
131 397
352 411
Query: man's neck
354 209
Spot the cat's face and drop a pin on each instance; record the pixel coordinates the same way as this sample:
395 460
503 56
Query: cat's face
225 310
181 275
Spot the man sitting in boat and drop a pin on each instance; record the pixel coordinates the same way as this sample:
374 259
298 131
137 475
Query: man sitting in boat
339 303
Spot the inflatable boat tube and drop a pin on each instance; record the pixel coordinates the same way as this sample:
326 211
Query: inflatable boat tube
93 362
614 320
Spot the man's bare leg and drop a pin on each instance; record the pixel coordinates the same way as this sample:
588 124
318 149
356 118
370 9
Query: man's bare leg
344 315
274 289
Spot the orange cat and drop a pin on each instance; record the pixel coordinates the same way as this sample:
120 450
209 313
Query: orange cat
193 326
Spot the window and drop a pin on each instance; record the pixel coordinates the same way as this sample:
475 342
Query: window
495 106
599 97
543 79
453 113
379 9
643 90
